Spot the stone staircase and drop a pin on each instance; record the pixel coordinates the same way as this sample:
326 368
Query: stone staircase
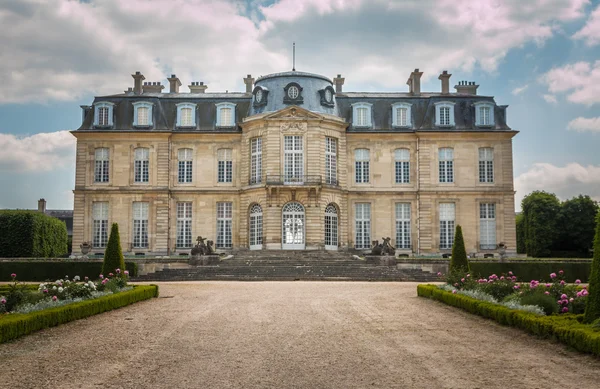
287 265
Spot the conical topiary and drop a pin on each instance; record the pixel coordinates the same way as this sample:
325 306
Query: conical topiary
459 261
592 306
113 255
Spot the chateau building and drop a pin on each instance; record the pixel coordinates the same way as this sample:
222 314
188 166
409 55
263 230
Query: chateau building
294 162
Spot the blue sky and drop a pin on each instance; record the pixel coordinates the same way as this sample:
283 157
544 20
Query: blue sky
540 57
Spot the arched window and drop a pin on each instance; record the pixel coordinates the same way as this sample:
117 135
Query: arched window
444 114
103 114
361 115
186 115
292 226
256 227
401 115
142 114
484 114
331 227
225 115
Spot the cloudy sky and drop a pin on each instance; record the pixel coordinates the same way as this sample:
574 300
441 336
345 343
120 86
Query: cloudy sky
540 57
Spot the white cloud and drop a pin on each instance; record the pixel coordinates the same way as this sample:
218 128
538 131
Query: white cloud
519 90
566 182
41 152
580 81
63 50
590 33
582 124
550 99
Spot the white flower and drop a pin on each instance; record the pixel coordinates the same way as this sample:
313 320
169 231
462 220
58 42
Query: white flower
60 290
76 278
54 287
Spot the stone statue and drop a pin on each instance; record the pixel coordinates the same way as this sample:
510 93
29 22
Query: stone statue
202 248
384 248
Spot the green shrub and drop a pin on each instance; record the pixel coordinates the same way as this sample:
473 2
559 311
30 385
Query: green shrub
547 303
113 255
520 220
592 309
499 289
459 259
15 325
527 271
54 270
567 329
31 234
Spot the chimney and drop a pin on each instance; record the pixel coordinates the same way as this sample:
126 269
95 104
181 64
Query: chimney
197 87
42 205
152 87
445 77
137 83
466 87
414 82
338 82
174 84
249 81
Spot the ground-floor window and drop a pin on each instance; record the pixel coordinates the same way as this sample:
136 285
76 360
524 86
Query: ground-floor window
184 225
403 225
363 225
331 227
140 225
224 213
447 220
100 221
256 226
487 226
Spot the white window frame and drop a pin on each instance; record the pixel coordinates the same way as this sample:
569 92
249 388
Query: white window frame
255 160
224 166
480 120
293 159
140 211
486 165
104 104
255 230
402 166
102 165
447 225
446 165
403 211
438 116
331 147
362 223
184 225
180 108
362 159
487 226
141 165
224 225
99 224
355 118
221 106
136 119
185 164
331 227
408 117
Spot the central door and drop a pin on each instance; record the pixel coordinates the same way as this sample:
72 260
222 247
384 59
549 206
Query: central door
293 227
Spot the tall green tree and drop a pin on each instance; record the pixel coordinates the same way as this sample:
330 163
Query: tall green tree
576 224
592 307
113 255
459 261
541 212
520 220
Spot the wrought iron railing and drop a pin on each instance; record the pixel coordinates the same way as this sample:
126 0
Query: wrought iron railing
277 179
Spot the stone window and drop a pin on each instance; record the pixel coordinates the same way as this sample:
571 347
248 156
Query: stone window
142 114
447 221
331 161
255 161
100 224
401 115
225 115
103 114
225 165
101 164
184 165
184 225
186 115
293 159
402 159
403 225
361 166
446 165
486 165
141 165
361 115
363 225
224 219
444 116
484 114
487 226
140 225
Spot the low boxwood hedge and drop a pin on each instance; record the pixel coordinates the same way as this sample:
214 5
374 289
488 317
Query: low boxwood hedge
15 325
528 271
54 270
567 329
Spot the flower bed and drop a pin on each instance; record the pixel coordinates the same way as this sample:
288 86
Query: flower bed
42 270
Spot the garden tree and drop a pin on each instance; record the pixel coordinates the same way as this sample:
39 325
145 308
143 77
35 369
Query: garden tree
592 307
520 220
577 220
459 261
113 255
540 213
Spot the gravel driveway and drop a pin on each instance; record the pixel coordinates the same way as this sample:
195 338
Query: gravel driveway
290 335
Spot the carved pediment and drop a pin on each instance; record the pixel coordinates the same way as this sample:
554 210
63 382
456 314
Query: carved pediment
294 126
294 113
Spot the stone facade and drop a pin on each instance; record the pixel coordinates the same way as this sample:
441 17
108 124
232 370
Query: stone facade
315 188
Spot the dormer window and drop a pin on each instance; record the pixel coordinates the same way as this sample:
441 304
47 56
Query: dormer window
225 115
361 115
186 115
292 94
103 114
142 114
484 114
444 114
327 96
260 96
401 115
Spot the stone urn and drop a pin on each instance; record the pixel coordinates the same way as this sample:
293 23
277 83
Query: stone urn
85 248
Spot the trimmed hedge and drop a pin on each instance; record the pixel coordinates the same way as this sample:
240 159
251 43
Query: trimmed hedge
566 329
31 234
15 325
113 255
534 271
54 270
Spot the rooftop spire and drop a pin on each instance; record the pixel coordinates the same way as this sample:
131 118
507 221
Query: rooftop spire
294 56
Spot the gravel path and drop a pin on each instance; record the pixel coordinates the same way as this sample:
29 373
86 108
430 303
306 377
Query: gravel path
290 335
